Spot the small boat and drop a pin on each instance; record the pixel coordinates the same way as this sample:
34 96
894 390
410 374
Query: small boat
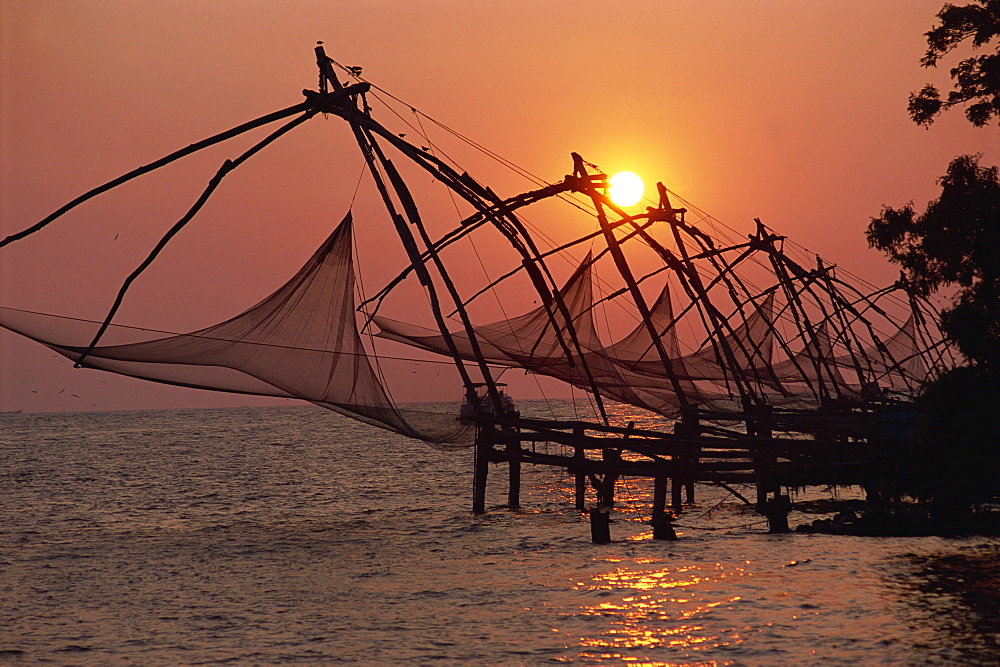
480 406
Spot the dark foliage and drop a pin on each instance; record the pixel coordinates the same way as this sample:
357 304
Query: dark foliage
977 78
955 458
954 242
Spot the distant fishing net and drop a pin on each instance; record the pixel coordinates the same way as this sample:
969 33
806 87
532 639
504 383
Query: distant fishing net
629 371
633 371
301 342
544 341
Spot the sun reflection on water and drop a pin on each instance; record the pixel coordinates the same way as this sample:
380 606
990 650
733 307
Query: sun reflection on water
656 608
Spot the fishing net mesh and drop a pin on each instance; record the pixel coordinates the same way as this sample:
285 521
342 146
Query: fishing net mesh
300 342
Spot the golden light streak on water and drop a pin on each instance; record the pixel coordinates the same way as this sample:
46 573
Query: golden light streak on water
652 609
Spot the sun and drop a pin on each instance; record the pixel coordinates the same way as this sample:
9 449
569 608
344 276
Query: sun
626 188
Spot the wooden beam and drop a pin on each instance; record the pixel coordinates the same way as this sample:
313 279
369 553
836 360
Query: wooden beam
481 469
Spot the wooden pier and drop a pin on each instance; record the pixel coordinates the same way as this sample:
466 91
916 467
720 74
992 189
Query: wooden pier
596 455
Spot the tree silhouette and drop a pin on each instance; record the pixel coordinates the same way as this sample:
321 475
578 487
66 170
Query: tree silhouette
977 78
954 242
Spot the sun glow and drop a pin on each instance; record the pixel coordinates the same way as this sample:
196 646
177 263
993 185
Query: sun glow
626 188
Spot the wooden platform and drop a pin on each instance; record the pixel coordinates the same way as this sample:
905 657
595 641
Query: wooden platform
598 455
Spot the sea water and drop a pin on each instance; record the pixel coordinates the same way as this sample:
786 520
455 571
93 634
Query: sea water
294 535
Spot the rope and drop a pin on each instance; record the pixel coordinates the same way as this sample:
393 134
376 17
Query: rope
742 525
225 340
720 229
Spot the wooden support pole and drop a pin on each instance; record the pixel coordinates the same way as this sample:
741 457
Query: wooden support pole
759 419
226 168
581 479
600 515
776 510
197 146
481 463
371 150
514 475
659 496
677 484
600 525
614 247
689 426
606 490
663 528
662 523
764 463
606 493
761 482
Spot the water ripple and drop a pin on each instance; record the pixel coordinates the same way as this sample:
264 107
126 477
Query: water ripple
267 536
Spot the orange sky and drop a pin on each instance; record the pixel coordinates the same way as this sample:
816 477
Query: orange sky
790 111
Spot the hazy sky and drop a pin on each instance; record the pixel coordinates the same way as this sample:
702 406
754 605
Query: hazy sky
791 111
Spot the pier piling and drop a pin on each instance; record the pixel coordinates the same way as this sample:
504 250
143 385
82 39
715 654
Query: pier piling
659 495
663 527
606 491
481 469
776 510
600 525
